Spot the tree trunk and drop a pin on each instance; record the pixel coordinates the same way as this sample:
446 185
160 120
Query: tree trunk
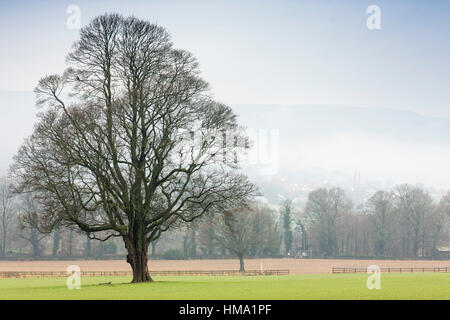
138 261
137 258
35 243
241 263
36 250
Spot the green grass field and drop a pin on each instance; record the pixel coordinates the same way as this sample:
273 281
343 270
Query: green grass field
296 287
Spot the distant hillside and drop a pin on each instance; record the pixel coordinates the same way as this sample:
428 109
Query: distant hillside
360 149
325 120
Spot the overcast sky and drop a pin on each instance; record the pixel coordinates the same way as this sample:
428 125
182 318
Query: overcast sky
315 52
272 52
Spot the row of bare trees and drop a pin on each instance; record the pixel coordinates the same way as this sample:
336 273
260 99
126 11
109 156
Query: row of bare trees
21 234
19 219
404 222
250 230
401 223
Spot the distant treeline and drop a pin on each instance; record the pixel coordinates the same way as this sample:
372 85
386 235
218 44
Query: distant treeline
402 223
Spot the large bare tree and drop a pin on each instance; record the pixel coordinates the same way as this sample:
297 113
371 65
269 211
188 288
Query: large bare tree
129 142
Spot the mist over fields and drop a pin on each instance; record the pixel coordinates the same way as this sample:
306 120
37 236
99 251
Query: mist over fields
360 149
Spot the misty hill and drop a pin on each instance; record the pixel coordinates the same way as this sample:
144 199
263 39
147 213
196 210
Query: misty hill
322 120
360 149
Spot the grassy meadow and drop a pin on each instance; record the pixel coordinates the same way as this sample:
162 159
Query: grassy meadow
293 287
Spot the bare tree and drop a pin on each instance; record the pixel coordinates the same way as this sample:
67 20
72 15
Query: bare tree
238 229
413 205
269 243
444 204
422 208
56 240
325 207
207 238
380 207
437 222
29 223
403 204
137 147
301 227
287 222
6 211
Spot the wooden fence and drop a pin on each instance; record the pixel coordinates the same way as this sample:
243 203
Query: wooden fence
390 269
59 274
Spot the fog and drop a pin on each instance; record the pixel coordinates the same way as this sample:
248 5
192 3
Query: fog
380 146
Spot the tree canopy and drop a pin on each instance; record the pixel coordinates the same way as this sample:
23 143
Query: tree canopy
129 142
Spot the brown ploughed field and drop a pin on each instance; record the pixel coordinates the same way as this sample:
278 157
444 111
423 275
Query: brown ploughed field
296 266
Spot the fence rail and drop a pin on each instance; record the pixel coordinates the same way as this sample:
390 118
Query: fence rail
390 269
59 274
